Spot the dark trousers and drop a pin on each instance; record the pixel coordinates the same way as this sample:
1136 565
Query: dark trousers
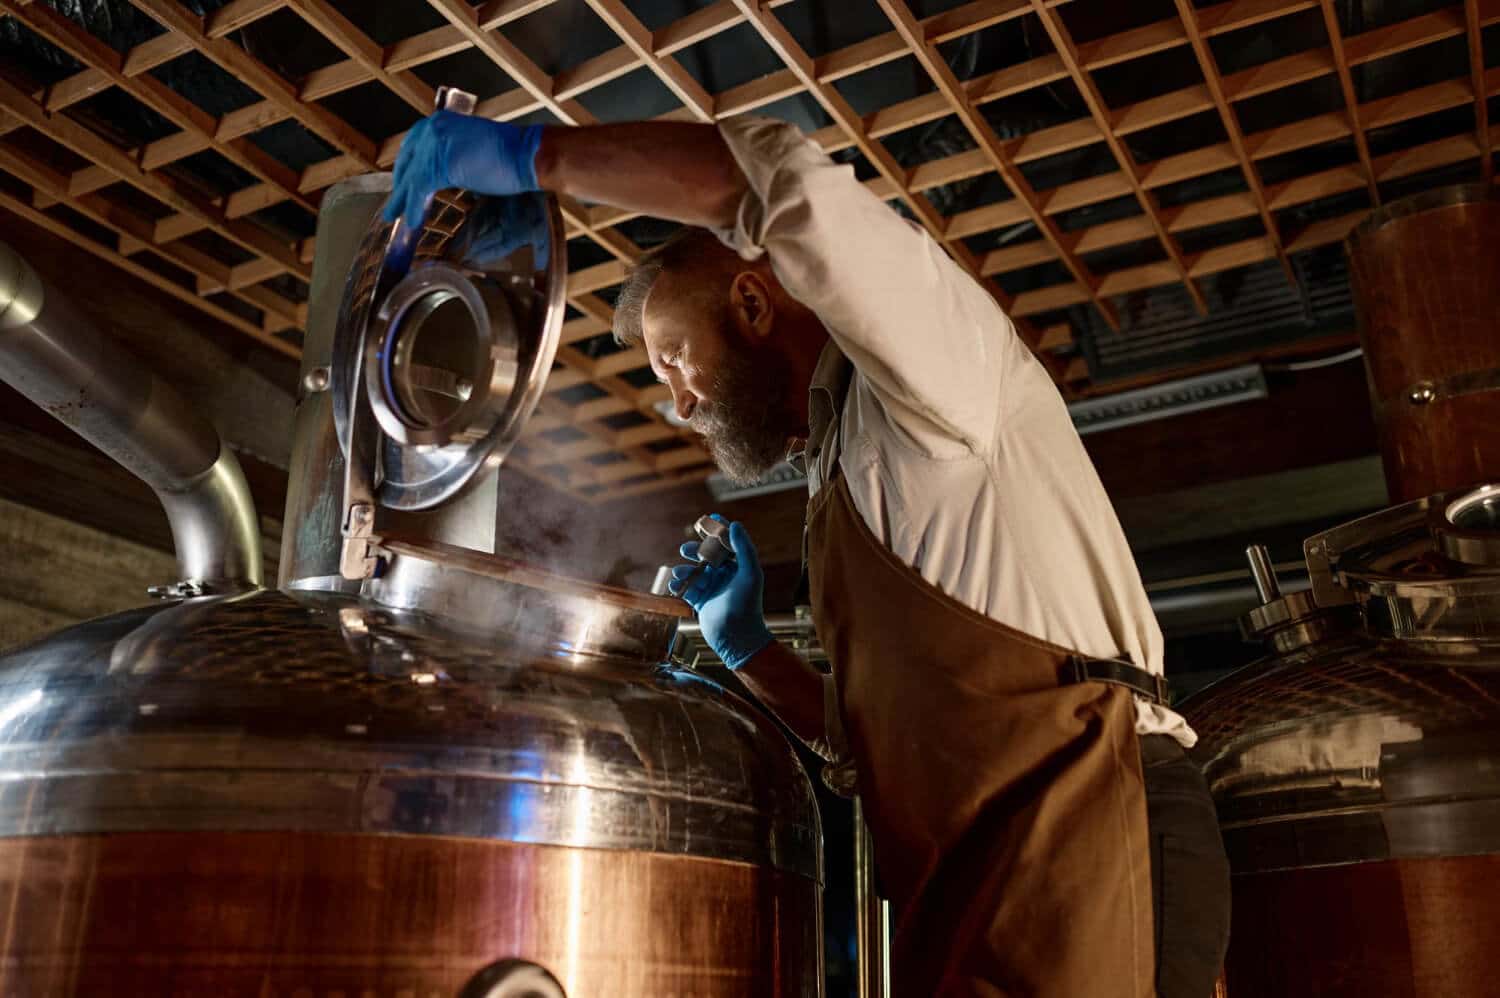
1189 872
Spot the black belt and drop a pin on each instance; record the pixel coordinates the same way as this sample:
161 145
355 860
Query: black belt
1121 672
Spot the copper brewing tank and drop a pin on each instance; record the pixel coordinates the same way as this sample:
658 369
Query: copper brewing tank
1356 770
1426 278
457 776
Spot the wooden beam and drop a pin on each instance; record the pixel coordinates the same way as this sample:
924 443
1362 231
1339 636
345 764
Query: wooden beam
1062 41
667 69
961 104
1401 36
1136 43
511 60
364 53
1237 14
240 64
1197 26
1278 74
790 52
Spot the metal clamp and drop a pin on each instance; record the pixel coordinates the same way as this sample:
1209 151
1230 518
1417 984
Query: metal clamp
358 558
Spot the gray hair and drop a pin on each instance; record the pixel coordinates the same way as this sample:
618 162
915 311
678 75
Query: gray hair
630 306
690 250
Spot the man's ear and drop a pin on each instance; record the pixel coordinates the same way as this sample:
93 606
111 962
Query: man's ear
750 303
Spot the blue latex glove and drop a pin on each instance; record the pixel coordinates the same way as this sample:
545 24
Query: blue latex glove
448 149
504 225
728 598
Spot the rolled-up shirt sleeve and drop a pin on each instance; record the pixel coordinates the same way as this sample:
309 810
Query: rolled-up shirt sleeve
839 773
927 337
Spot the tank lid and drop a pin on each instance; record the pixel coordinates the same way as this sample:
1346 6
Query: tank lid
1426 570
488 595
449 339
447 331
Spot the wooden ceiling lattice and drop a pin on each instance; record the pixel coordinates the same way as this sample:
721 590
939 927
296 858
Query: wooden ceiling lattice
224 252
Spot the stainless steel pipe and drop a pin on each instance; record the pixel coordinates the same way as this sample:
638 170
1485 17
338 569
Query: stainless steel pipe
55 356
872 917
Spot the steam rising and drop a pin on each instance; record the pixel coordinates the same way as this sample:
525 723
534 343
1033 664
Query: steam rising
618 545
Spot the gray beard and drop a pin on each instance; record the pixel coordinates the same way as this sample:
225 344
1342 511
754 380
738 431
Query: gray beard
745 429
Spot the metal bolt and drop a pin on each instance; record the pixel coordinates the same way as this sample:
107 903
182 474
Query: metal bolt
316 380
1422 393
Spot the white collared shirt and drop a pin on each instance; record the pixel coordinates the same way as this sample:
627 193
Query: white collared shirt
958 450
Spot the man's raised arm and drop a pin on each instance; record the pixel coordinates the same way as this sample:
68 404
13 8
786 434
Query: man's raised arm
925 335
673 170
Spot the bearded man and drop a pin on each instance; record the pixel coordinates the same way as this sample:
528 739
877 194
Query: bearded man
996 695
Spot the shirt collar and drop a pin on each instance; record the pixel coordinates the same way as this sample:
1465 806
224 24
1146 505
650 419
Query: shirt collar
828 383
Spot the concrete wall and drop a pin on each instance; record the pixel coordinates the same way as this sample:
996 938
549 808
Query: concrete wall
54 573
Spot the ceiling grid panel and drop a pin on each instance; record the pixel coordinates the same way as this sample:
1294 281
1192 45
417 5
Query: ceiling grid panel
241 251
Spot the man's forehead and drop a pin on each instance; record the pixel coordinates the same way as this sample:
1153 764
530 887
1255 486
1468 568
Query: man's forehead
661 312
650 331
657 331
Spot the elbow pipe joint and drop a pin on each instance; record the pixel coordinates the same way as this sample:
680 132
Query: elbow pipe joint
215 530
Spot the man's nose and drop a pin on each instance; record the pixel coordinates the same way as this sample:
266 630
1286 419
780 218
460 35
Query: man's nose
685 401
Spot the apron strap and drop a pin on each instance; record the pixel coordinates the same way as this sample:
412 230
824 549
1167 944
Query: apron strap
835 442
1120 671
826 453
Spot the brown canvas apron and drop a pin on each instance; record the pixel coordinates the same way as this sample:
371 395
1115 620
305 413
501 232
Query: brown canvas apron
1008 811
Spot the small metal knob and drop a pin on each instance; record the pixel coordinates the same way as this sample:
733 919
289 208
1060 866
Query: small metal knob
1264 573
315 381
1422 393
